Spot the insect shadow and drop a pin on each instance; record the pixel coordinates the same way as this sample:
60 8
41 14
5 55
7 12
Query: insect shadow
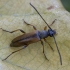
32 37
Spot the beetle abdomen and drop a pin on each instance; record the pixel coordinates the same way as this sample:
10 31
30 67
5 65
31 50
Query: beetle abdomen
25 39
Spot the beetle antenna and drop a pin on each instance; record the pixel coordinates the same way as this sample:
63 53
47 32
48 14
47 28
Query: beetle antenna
40 16
58 50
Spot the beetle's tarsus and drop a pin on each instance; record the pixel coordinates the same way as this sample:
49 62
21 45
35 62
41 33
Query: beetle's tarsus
46 57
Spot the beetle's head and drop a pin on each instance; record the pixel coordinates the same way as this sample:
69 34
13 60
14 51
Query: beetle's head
51 32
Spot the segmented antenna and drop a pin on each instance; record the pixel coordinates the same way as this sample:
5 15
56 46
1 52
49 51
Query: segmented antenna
58 50
40 16
53 35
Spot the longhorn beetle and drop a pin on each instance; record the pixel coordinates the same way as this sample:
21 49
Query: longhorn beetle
32 37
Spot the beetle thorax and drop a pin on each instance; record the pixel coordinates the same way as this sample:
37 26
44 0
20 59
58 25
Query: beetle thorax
45 34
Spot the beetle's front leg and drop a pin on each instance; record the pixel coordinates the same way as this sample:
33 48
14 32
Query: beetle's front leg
29 24
53 22
14 52
43 49
45 28
14 30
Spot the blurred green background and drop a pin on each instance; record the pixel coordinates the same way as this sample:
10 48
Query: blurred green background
66 4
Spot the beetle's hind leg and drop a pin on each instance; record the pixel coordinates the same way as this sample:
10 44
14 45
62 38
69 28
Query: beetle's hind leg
13 31
29 24
14 52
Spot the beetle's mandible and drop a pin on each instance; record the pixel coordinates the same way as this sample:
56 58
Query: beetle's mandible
32 37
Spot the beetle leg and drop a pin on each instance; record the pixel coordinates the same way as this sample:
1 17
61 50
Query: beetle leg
53 22
14 52
43 49
45 28
13 31
48 44
50 24
29 24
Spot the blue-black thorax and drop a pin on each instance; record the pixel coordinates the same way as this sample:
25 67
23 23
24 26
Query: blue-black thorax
45 34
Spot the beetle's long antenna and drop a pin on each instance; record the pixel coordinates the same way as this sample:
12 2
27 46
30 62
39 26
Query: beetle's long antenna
40 15
58 50
53 35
